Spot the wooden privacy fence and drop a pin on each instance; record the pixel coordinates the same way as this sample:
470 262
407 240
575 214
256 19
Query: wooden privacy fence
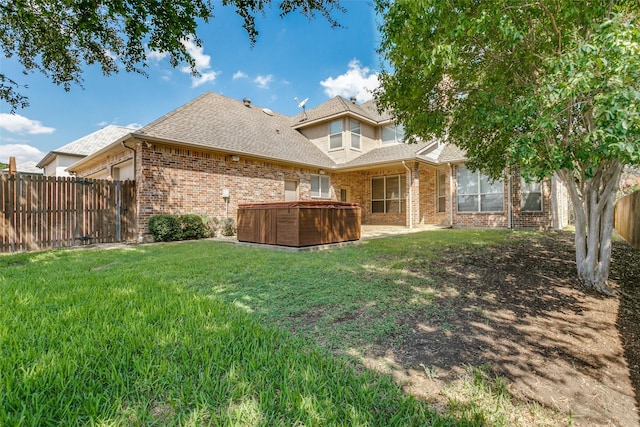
627 218
41 212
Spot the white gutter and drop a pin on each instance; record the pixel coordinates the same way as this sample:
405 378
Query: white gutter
410 197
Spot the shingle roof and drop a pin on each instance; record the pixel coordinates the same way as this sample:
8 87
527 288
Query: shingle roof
397 153
88 144
217 122
335 106
451 153
26 167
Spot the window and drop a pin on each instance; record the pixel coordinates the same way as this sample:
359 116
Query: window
530 196
388 194
442 190
335 135
320 187
392 134
477 193
355 134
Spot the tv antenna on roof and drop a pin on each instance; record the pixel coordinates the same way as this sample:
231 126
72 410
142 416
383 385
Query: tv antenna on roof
301 104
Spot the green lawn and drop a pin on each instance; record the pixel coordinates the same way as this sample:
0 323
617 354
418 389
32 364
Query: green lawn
207 332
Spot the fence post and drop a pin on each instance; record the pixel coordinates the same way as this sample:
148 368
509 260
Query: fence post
118 199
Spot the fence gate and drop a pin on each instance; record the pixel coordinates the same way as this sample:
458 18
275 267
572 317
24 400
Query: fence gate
39 212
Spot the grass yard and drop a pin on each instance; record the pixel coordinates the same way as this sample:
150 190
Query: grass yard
407 330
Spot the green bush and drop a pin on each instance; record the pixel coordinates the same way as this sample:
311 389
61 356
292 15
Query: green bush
165 228
227 227
192 227
211 226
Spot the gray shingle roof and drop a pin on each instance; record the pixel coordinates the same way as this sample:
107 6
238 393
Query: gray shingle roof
335 106
392 153
26 167
217 122
89 144
451 153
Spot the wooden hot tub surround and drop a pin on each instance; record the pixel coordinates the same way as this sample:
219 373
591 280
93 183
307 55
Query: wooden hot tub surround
300 223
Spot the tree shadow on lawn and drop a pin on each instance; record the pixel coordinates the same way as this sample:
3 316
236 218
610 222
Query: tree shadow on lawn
518 309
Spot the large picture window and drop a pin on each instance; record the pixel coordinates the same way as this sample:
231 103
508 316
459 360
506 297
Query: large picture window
335 134
355 133
530 196
477 193
388 194
320 187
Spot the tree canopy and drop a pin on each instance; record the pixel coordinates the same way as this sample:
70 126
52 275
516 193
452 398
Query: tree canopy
544 87
58 38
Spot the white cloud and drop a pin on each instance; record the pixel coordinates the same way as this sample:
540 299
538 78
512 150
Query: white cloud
202 64
134 125
239 75
358 81
15 123
263 81
155 56
22 152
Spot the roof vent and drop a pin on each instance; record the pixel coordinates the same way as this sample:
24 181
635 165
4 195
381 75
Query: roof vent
246 102
353 100
267 111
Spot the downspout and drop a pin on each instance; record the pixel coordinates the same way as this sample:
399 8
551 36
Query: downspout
135 165
410 195
135 171
450 194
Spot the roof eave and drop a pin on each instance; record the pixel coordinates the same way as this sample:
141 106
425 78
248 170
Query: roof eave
150 138
305 123
118 142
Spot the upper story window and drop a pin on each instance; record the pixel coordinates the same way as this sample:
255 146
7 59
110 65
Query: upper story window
477 193
530 196
392 134
320 187
335 134
355 133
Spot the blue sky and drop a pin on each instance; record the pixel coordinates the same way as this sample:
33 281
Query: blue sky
293 57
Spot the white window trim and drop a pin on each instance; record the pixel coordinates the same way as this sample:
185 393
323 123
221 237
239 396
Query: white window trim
523 198
341 133
479 210
351 133
320 179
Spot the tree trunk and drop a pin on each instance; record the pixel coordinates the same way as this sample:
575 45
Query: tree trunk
593 205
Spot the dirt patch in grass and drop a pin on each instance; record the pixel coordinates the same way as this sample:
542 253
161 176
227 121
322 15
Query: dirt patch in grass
515 311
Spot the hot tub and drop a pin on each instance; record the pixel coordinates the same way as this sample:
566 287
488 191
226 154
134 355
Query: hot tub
298 223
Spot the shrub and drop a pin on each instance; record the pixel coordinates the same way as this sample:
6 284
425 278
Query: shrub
227 227
165 228
192 227
211 226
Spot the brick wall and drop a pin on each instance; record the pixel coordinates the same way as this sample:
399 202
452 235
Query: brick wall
542 220
519 219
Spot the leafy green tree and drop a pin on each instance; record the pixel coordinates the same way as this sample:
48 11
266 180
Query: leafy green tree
543 87
58 38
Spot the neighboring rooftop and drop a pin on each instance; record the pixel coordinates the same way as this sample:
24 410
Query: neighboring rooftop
30 168
88 144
